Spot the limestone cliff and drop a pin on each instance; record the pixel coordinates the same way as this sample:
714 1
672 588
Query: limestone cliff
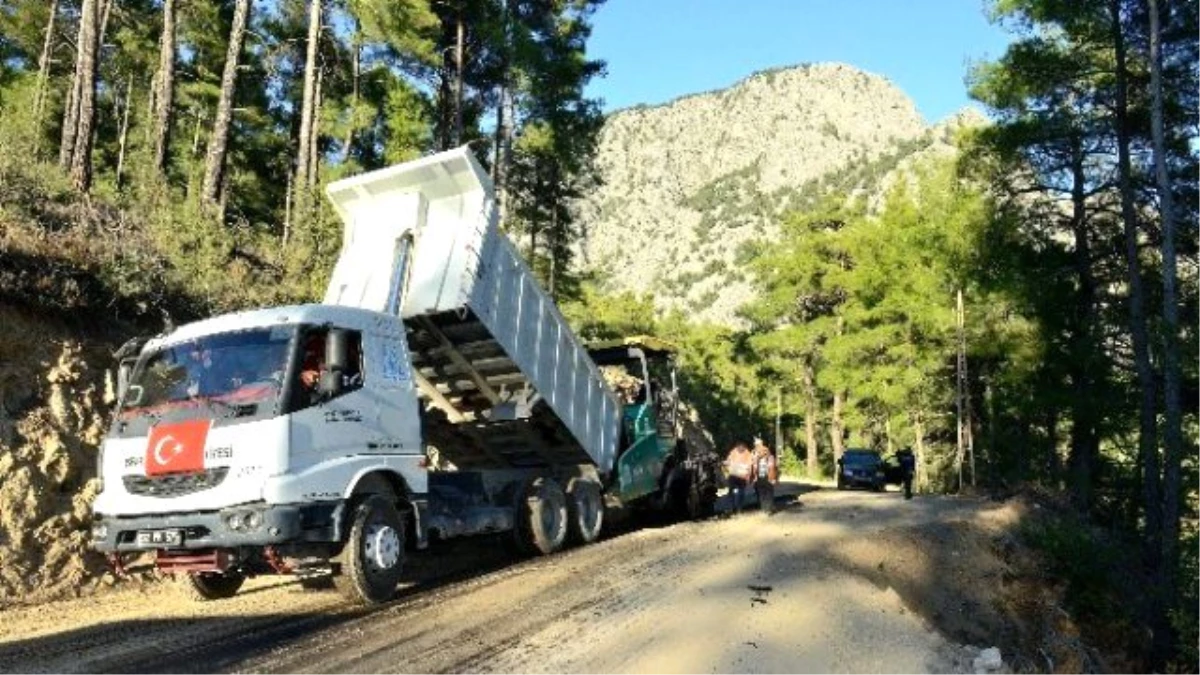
687 184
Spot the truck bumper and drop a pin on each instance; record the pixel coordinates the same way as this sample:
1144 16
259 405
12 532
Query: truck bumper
246 525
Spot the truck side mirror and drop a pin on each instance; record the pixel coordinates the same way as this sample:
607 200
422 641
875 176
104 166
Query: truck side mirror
124 370
336 351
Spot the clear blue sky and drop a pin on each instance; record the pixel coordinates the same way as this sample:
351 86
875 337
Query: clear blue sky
658 50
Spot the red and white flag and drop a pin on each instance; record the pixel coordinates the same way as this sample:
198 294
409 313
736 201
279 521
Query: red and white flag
177 447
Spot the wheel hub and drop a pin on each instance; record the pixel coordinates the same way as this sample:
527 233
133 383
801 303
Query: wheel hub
382 547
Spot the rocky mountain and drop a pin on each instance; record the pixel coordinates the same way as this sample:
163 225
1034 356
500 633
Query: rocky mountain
687 185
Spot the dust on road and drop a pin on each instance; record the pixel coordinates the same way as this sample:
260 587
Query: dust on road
834 582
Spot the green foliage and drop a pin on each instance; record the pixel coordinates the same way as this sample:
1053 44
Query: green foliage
268 240
553 159
867 303
599 316
1085 562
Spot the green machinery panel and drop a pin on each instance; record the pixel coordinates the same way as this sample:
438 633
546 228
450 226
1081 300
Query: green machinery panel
640 466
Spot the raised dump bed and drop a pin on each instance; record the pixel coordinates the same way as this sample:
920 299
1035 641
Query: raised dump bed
511 384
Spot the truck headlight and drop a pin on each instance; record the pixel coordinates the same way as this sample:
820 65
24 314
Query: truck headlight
244 521
99 531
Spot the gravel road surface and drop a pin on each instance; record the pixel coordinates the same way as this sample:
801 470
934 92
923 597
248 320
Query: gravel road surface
799 591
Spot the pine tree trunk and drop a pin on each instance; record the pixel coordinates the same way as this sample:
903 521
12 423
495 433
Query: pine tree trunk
1172 373
303 143
1085 442
810 420
314 133
505 114
43 77
533 244
506 149
836 430
218 143
445 95
458 78
81 160
922 475
105 13
166 90
496 138
121 141
551 236
355 77
70 125
1147 428
199 121
288 195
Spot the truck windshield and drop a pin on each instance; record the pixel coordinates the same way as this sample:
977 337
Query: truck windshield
239 369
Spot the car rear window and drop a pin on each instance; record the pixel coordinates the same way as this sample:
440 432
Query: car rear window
860 458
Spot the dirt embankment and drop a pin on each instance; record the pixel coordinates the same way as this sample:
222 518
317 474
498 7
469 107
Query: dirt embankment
53 407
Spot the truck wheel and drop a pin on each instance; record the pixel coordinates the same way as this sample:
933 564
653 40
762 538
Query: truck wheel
204 586
585 509
541 518
701 499
373 556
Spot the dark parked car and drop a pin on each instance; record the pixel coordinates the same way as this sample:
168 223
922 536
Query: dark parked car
861 468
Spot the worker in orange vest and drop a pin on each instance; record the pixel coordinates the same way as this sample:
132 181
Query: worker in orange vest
738 466
764 474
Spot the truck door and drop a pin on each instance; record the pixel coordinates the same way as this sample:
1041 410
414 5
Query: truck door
325 426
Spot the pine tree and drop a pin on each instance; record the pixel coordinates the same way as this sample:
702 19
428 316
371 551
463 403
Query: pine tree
165 90
89 47
214 171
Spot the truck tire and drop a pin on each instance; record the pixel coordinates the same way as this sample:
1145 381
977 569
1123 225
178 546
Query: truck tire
701 498
541 517
205 586
585 511
373 556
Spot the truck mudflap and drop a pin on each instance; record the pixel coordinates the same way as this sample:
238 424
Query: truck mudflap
254 524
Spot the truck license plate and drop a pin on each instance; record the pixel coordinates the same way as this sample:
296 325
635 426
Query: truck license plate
160 537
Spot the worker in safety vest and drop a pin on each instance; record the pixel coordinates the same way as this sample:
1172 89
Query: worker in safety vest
738 466
764 474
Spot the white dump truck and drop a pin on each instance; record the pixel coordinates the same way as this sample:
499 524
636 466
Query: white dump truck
436 392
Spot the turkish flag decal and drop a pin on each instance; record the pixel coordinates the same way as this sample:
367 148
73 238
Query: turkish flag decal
176 448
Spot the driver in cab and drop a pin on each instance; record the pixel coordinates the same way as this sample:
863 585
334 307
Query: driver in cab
311 364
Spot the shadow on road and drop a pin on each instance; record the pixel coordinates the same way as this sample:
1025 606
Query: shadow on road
787 497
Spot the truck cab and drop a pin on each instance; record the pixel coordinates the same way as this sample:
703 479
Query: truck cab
238 441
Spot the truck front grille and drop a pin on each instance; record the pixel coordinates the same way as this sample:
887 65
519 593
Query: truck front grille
174 485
